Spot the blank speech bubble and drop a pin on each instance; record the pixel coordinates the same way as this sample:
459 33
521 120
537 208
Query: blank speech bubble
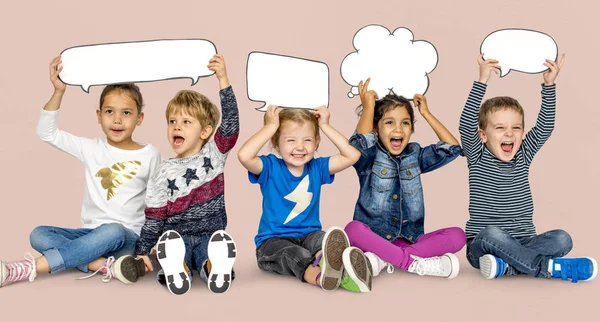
142 61
394 62
519 49
286 81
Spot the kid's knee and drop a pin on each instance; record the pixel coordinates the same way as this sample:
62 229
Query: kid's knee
38 238
355 228
563 239
456 239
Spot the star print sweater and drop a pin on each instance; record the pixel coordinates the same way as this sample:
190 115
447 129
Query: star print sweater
115 179
187 194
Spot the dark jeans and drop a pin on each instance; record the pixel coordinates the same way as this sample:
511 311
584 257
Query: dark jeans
527 255
288 255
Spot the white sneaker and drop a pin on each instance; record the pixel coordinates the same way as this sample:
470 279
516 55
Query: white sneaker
446 265
378 264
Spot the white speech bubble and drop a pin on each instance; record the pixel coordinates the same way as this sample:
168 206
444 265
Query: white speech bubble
286 81
142 61
519 49
394 62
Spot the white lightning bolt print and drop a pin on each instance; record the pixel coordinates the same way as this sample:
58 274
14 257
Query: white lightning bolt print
301 197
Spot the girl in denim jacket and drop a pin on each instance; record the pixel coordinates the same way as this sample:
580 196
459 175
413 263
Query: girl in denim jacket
389 214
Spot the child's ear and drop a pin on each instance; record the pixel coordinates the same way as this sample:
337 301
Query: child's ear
318 141
273 143
99 115
140 118
206 132
482 135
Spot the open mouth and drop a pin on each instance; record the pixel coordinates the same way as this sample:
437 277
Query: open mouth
396 142
178 141
117 132
298 156
507 147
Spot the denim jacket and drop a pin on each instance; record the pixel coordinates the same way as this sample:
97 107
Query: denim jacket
391 196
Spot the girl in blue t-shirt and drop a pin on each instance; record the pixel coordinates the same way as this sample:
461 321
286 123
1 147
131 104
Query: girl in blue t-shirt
290 240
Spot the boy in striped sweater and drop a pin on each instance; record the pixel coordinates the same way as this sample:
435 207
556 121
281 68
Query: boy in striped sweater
501 237
185 206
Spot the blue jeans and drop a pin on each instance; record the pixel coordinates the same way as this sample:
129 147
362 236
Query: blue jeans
66 248
527 255
196 254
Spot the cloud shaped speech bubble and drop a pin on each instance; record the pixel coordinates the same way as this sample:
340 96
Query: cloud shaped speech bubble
519 49
286 81
142 61
394 62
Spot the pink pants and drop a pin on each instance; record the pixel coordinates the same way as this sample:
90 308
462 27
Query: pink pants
397 252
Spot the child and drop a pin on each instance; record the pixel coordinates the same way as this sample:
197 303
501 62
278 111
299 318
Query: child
389 214
185 201
117 170
501 236
289 239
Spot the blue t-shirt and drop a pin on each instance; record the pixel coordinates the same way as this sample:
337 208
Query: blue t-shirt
290 204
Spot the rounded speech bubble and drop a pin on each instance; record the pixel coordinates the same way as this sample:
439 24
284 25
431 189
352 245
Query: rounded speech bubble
141 61
393 60
286 81
519 49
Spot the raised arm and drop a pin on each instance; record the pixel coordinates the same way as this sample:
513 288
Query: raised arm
46 127
540 133
367 99
248 153
228 131
348 154
440 130
468 125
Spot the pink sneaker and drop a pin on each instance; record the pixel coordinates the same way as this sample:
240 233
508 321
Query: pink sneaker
17 271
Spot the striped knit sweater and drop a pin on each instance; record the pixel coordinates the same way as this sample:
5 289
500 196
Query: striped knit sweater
499 192
187 194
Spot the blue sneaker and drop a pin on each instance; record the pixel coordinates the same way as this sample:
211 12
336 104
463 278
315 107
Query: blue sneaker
491 266
577 269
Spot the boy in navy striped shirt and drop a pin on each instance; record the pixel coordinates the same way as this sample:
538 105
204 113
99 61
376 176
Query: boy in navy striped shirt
501 237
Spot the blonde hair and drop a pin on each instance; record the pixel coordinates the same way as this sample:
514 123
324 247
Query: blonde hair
496 104
195 105
298 115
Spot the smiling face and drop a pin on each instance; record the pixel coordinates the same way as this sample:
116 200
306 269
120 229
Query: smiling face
296 144
394 129
503 134
118 117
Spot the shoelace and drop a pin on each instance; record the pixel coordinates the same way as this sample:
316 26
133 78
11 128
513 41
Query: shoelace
429 266
19 270
108 275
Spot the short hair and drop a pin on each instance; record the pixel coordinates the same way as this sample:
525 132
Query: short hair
195 105
496 104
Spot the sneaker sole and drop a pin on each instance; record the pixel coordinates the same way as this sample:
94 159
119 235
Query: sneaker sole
171 256
335 242
488 266
133 265
455 264
221 253
357 266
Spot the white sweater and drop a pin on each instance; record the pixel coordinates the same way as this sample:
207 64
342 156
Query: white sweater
115 179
